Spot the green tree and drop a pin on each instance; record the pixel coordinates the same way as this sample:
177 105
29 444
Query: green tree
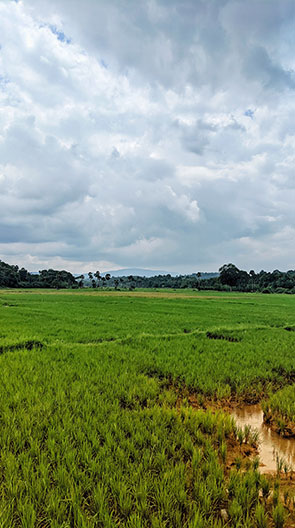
229 274
98 277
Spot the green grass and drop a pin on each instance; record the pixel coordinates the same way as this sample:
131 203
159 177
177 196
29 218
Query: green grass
279 409
91 435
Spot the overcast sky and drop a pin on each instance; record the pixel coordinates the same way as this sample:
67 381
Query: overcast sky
152 133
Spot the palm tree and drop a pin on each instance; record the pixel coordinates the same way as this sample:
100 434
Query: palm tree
80 278
98 277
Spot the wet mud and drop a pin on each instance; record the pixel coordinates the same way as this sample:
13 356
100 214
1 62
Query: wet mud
275 452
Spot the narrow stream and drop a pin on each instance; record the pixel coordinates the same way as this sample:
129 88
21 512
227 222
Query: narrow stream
271 444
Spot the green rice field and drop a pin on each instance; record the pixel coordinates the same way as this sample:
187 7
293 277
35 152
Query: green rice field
97 429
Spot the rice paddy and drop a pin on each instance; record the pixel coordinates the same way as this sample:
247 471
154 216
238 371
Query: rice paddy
97 423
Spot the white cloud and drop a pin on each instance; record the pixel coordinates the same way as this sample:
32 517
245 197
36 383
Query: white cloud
146 133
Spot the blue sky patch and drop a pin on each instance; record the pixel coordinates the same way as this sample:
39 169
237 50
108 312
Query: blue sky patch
60 34
103 64
249 113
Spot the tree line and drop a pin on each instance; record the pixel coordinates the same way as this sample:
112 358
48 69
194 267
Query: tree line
229 278
12 276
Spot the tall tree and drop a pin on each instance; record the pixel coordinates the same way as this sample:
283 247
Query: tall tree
98 277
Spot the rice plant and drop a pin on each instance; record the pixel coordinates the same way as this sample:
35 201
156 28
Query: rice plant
94 432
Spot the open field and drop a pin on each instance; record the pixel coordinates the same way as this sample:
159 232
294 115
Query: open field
96 424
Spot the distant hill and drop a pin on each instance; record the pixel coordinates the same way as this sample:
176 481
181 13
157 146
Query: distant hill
206 274
139 272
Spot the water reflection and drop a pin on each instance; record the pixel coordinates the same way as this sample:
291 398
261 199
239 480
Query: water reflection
271 444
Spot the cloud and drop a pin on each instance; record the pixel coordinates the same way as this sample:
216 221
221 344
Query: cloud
146 134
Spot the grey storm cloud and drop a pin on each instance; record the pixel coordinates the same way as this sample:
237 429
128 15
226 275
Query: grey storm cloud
153 134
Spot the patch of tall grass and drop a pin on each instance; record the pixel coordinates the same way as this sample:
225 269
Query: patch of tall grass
280 410
86 441
93 433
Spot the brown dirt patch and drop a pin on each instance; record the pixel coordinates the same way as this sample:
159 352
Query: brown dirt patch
245 453
280 424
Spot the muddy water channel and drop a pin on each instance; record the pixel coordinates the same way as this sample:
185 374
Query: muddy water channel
271 444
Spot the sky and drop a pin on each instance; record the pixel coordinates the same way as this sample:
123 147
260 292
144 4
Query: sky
154 134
